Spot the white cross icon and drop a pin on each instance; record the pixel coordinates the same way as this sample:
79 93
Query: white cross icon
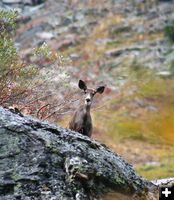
166 192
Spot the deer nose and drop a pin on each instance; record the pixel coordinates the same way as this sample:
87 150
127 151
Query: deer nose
88 100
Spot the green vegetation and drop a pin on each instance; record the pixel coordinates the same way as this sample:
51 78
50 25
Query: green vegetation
143 110
169 31
157 170
172 68
15 75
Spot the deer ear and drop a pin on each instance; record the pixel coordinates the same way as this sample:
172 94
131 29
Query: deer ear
100 89
82 85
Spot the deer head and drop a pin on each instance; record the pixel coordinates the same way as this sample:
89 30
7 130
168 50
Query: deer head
89 93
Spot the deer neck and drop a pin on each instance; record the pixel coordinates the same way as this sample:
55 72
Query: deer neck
87 109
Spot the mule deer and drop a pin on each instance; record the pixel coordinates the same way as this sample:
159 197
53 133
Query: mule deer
81 121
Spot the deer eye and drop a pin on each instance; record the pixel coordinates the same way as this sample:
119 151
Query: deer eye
85 92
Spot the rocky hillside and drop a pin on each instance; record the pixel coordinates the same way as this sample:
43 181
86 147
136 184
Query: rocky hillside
105 37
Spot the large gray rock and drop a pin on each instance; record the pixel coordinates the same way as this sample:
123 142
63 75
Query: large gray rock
43 161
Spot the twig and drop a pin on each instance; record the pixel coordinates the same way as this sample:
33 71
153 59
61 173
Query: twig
41 109
55 113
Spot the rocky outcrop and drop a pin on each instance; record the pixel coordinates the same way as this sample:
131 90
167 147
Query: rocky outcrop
43 161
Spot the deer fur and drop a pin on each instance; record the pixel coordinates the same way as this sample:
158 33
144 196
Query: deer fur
82 121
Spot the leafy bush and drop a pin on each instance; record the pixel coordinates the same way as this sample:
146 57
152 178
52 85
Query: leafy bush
13 71
28 87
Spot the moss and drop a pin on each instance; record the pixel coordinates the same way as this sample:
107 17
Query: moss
17 189
16 176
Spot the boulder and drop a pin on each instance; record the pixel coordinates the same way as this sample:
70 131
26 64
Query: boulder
41 161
